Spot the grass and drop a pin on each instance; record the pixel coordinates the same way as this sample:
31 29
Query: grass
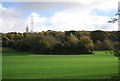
24 65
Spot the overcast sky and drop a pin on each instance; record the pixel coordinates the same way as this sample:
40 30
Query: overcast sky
59 16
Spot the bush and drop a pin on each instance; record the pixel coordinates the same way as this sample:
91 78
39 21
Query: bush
5 41
98 45
105 45
86 45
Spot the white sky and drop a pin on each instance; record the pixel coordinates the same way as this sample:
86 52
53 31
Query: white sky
82 15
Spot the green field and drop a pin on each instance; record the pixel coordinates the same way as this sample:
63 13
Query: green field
24 65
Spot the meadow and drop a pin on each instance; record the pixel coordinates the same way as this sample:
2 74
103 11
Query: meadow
25 65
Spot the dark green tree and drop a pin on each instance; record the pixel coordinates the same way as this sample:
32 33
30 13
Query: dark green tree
98 35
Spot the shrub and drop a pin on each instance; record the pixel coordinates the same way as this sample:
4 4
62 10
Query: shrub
86 45
98 36
98 45
105 45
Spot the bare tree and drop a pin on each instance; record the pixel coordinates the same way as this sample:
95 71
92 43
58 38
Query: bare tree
116 51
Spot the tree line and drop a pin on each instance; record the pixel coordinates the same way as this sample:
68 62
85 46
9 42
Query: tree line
57 42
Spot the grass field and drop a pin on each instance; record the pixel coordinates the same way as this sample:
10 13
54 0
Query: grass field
24 65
